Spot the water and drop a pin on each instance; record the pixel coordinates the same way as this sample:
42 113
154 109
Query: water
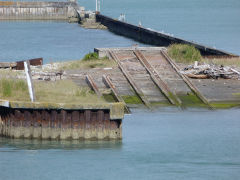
52 40
167 144
211 22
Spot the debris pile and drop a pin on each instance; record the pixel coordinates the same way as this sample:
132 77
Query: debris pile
207 71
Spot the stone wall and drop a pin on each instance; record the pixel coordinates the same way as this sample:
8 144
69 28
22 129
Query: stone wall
37 10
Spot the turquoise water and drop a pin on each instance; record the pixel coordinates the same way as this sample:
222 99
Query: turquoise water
52 40
168 144
211 22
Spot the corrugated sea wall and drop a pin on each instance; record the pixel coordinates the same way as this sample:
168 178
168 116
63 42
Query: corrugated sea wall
152 37
61 121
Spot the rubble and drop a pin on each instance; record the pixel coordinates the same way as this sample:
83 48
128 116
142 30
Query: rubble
210 71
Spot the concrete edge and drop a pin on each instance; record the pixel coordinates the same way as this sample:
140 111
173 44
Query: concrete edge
116 109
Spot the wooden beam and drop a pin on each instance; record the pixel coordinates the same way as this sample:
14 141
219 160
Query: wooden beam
107 81
171 96
186 80
130 80
93 85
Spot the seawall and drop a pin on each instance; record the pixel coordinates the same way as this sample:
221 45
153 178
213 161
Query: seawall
10 10
152 37
61 121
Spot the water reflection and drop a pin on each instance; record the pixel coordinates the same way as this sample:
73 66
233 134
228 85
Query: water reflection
34 144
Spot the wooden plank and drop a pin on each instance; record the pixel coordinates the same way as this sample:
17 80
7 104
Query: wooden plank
130 80
93 85
107 81
186 80
171 96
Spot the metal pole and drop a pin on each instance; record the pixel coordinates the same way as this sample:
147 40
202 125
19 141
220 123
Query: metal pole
29 80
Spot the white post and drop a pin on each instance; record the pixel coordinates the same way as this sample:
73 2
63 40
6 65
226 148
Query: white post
99 5
96 5
29 80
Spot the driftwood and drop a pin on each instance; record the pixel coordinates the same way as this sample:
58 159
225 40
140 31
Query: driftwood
205 71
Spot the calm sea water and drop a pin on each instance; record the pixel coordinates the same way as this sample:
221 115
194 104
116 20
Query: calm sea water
211 22
167 144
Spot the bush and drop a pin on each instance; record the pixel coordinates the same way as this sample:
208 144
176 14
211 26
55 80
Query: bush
90 56
184 53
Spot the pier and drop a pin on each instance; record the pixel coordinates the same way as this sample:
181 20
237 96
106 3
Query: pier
39 10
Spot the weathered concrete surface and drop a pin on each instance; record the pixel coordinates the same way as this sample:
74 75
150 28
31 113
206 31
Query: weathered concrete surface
18 120
37 10
152 37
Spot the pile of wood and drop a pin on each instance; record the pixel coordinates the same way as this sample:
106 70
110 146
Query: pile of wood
206 71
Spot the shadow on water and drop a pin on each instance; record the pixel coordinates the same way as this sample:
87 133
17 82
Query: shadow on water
33 144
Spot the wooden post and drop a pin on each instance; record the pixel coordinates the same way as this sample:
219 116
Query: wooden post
29 80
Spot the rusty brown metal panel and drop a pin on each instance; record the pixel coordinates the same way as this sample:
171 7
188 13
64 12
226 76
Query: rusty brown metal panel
69 120
45 119
27 120
100 124
94 124
54 119
37 119
87 131
33 62
106 123
17 115
75 120
64 124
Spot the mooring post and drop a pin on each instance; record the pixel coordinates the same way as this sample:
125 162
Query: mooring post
29 80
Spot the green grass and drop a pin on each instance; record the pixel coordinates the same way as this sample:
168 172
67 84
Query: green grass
90 61
225 105
109 97
183 53
90 56
13 88
191 100
132 99
63 91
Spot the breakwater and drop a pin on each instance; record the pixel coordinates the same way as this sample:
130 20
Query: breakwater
10 10
152 37
61 121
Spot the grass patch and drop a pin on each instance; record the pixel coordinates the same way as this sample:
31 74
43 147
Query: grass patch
109 97
191 100
90 61
13 89
224 105
90 56
132 99
65 91
183 53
